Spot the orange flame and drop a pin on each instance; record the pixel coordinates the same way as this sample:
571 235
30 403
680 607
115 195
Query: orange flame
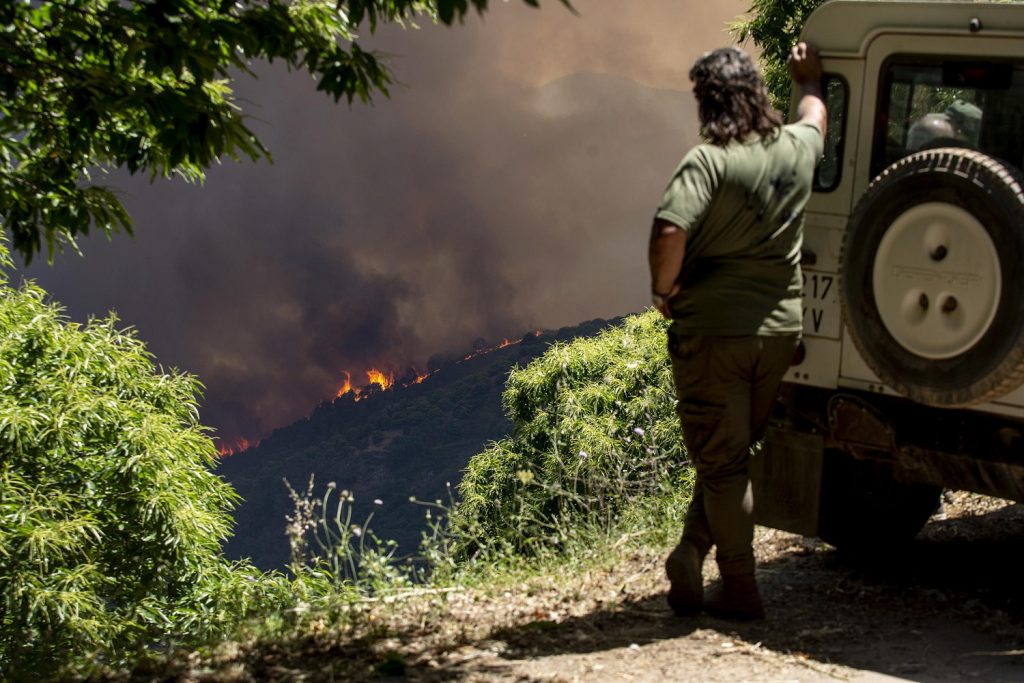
504 343
237 446
383 381
347 386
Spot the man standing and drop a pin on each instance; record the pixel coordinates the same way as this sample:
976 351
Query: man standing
725 267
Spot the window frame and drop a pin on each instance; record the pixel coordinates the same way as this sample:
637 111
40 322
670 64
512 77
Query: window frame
840 140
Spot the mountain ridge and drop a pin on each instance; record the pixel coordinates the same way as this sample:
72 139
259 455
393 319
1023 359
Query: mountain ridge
406 442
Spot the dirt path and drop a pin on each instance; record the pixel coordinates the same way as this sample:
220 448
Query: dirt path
949 608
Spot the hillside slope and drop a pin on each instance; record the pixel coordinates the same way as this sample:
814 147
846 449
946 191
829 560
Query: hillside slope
409 441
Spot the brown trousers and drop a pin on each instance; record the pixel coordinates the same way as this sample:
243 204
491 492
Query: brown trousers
726 387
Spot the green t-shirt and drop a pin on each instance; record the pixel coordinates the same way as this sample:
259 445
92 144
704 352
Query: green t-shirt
741 206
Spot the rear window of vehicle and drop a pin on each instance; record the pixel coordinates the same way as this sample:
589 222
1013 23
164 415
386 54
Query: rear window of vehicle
928 103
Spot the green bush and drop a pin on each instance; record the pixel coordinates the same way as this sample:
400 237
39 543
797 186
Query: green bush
595 433
110 519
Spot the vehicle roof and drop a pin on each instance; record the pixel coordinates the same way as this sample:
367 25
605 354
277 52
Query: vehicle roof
841 27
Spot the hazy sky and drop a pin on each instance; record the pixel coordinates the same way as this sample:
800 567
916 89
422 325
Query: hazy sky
508 184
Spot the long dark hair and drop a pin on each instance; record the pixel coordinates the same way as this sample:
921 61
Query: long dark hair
731 97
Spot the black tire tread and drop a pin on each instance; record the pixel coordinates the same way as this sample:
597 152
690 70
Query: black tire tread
965 163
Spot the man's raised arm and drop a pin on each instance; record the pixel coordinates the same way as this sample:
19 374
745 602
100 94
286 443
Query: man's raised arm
805 68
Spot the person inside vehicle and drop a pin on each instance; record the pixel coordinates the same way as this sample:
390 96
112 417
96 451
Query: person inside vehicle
957 126
930 131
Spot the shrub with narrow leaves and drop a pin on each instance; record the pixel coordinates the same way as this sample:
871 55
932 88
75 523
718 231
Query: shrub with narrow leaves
595 431
110 518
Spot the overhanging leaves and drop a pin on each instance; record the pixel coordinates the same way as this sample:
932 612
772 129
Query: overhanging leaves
146 87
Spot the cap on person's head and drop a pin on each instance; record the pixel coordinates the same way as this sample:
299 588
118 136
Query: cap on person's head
966 117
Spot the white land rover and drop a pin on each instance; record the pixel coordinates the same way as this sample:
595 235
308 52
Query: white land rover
911 376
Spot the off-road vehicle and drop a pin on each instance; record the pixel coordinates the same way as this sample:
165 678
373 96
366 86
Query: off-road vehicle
911 374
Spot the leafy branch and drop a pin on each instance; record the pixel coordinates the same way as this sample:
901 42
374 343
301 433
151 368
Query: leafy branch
146 87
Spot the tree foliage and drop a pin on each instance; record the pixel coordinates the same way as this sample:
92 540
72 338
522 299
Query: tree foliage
774 26
595 433
110 519
91 85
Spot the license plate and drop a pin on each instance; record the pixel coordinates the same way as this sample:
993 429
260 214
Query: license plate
821 304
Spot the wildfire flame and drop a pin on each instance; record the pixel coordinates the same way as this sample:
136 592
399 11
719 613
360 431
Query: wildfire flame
383 381
504 343
347 386
237 446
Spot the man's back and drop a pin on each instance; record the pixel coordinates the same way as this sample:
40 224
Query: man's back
741 205
725 265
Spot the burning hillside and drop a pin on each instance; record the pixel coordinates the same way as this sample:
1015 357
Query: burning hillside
237 445
398 442
380 380
377 380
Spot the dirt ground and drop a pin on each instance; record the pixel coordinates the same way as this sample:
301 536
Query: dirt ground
948 608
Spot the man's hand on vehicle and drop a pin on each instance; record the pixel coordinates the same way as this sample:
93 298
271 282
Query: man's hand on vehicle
805 68
805 64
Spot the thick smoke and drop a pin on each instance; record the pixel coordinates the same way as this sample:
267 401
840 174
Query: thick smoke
508 184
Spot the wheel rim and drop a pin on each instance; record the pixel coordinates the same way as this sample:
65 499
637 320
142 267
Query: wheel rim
937 280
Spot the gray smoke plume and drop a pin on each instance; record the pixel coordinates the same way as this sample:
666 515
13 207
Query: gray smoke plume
507 185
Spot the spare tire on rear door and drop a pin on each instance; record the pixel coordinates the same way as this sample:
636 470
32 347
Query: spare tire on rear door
933 277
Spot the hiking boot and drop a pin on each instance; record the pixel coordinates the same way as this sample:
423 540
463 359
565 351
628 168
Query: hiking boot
683 567
736 597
